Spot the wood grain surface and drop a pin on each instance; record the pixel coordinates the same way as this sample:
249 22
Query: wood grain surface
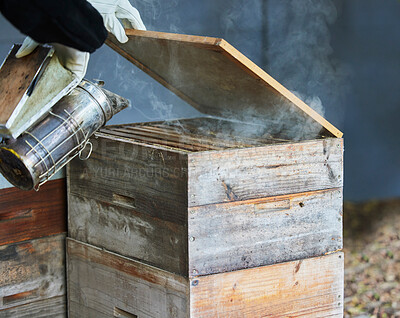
151 177
196 134
243 174
246 234
31 271
55 307
219 237
214 77
127 174
307 288
130 233
28 215
101 283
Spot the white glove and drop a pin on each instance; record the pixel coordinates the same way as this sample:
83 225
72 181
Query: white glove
112 10
72 59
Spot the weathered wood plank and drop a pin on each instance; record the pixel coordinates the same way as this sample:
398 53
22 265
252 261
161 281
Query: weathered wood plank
243 174
151 180
307 288
32 270
203 132
101 282
55 307
29 215
221 237
231 236
130 233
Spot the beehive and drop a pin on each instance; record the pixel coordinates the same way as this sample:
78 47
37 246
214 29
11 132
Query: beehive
222 210
32 251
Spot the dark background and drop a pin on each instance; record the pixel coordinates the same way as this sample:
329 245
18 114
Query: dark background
343 54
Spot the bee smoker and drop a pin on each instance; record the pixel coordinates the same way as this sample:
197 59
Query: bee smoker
36 155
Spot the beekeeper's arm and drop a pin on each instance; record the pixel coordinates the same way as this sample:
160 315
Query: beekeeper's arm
74 27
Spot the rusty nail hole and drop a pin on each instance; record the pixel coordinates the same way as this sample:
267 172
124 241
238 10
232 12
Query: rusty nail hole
301 204
195 282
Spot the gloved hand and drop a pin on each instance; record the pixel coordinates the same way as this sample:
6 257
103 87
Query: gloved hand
112 10
72 59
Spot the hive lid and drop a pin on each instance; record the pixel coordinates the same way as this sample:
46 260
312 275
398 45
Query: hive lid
29 87
215 78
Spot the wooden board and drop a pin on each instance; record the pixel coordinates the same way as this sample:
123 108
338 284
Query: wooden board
31 271
219 237
128 232
214 77
29 215
246 234
307 288
244 174
196 134
101 283
127 174
55 307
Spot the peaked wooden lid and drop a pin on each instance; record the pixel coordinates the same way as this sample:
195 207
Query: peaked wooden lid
215 78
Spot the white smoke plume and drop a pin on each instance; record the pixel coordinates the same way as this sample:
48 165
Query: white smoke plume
299 53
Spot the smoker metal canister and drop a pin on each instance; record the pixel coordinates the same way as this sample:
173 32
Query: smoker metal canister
31 159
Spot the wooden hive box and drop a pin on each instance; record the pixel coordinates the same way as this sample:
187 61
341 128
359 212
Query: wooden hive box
105 284
256 182
32 251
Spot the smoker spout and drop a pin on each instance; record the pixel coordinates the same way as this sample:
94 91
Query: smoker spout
41 151
117 102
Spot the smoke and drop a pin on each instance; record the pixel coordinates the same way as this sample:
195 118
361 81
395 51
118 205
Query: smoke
294 39
160 15
299 53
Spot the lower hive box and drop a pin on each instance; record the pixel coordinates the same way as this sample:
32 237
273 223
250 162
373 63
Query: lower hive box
32 252
104 284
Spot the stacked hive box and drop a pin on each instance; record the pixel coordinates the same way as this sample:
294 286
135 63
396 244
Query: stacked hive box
32 261
208 217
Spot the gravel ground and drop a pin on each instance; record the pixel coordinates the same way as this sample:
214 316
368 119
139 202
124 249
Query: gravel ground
372 259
